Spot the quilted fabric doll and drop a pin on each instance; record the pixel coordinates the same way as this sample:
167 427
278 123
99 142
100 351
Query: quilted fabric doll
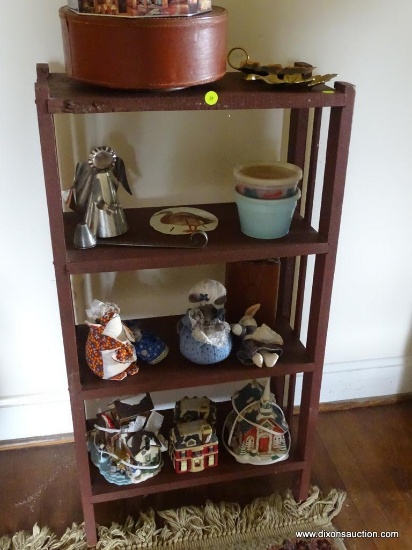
203 332
110 351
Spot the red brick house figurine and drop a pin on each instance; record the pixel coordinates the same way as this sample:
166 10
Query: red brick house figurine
256 431
193 444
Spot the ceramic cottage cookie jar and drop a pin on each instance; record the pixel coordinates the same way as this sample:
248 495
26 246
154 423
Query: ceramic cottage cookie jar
125 443
255 431
203 332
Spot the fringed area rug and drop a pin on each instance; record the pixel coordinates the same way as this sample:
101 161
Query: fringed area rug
271 523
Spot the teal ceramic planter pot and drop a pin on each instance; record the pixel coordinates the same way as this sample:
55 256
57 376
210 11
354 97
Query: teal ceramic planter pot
266 219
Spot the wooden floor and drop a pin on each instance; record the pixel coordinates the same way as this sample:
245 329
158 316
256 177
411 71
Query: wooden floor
365 451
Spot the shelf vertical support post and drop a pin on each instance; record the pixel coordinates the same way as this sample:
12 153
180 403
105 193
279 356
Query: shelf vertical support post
340 124
298 127
64 291
297 143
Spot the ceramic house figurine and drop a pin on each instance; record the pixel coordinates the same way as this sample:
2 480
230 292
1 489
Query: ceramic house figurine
259 345
255 431
110 351
203 332
193 444
125 443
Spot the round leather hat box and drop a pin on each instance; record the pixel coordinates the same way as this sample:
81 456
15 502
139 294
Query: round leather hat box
145 53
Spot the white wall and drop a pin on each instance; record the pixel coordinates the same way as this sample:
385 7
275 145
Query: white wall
369 346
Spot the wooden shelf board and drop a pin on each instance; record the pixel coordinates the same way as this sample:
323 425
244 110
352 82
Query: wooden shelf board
66 95
226 244
228 469
177 372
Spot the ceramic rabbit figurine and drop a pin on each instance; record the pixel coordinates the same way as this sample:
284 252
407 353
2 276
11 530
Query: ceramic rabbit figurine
259 345
203 332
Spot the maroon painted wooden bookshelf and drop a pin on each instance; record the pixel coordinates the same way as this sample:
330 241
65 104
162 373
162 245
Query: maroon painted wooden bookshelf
57 94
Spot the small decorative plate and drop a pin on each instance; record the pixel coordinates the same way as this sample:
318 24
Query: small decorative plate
182 220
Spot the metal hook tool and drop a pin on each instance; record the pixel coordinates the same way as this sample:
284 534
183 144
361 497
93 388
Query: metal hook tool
198 239
84 238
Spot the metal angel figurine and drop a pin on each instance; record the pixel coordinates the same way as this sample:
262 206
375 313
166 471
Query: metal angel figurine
94 195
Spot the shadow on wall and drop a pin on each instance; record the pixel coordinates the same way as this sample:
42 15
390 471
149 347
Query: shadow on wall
140 294
173 158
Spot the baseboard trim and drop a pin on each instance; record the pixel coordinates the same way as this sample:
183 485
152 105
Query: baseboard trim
361 403
43 441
